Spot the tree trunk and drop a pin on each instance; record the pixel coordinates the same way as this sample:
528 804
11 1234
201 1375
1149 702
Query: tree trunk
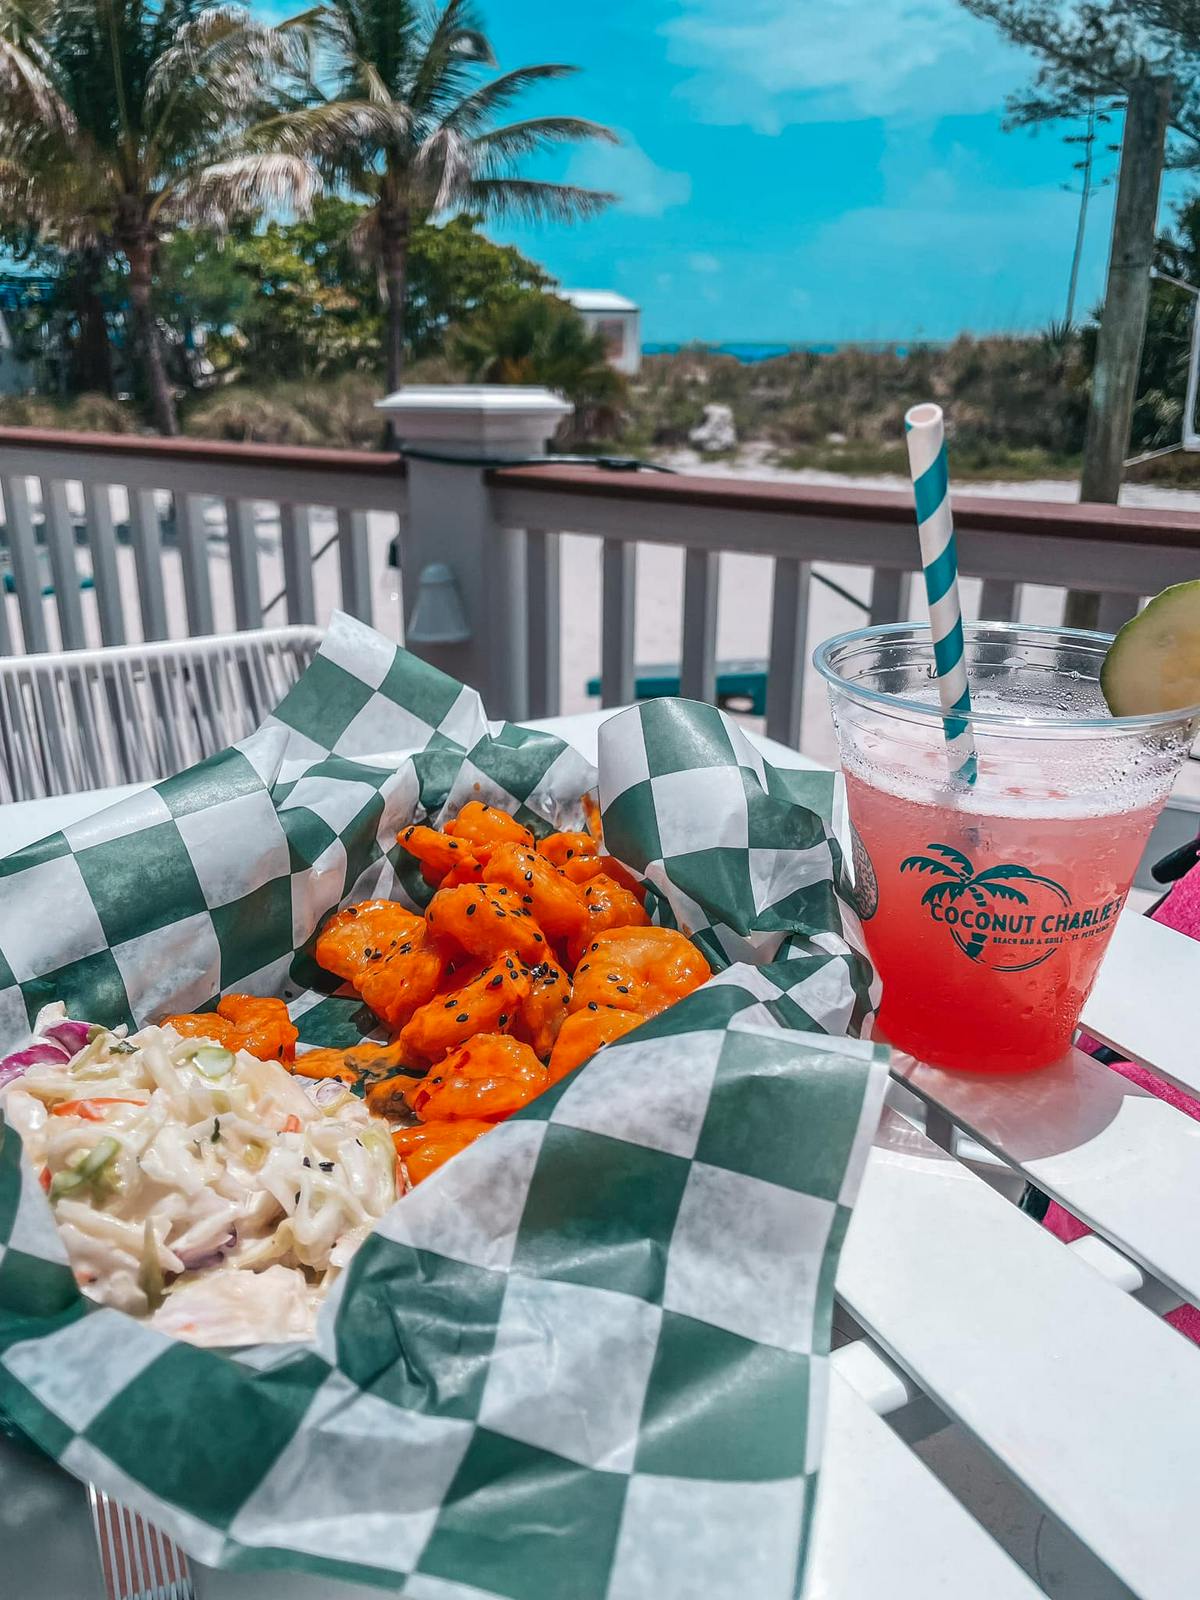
139 253
1126 302
395 232
92 368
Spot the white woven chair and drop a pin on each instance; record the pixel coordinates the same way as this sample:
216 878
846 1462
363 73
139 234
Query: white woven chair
87 719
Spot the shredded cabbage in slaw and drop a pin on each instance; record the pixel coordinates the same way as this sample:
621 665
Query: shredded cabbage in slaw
200 1187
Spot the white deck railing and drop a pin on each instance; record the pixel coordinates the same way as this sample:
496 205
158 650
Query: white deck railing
171 535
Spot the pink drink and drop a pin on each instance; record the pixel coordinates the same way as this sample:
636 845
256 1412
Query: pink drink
987 906
994 924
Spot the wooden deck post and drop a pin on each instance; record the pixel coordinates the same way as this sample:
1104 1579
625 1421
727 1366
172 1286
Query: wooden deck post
451 437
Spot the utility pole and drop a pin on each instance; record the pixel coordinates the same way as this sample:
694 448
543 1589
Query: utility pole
1126 303
1088 189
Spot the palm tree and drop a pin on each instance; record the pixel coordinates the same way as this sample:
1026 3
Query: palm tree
122 119
537 338
409 125
959 879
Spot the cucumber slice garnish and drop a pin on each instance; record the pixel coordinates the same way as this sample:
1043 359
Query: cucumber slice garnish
1154 662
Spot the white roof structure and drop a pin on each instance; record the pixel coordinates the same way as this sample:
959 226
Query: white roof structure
597 300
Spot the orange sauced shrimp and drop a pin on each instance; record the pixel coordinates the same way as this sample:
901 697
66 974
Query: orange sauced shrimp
482 828
429 1145
260 1027
583 869
585 1032
638 969
486 1079
408 978
355 935
556 904
489 1003
559 848
437 852
609 905
545 1009
488 920
349 1065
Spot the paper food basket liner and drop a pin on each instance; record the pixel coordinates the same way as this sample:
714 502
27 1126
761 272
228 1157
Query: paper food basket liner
588 1357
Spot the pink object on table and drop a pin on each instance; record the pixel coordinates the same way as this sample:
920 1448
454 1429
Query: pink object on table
1181 911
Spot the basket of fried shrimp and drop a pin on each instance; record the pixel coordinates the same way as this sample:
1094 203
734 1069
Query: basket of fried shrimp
422 1150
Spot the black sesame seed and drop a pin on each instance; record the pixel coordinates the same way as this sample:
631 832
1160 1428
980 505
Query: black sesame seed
503 1018
566 999
450 1005
351 911
570 853
612 977
453 844
462 1017
471 911
325 1166
595 947
592 1006
306 1162
527 899
496 981
537 939
622 988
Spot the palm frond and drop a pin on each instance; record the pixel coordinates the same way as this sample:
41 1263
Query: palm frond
926 864
26 80
244 184
1005 891
453 44
330 129
994 876
472 112
533 199
952 887
501 145
954 855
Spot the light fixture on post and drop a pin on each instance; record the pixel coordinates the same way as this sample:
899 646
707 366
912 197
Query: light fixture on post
437 616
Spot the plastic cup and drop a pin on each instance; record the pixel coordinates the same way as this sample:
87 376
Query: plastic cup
987 909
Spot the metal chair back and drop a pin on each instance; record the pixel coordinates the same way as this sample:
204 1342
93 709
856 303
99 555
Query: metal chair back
89 719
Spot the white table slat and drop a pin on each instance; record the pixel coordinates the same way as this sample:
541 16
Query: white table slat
1144 1000
1082 1394
886 1527
1124 1162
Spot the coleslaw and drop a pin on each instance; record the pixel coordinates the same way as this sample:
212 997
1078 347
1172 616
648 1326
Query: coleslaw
214 1193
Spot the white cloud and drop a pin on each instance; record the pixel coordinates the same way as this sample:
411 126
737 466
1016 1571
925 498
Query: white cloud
701 261
644 188
772 62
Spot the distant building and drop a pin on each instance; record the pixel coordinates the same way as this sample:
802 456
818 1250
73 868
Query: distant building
617 319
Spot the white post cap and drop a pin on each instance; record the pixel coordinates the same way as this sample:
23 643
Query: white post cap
476 419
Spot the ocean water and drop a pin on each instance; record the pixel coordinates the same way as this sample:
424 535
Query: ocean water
750 353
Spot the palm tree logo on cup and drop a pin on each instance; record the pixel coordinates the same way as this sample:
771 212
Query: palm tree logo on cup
963 899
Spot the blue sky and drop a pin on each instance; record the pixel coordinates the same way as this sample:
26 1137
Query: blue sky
798 170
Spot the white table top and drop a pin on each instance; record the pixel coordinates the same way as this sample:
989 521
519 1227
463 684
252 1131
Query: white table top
1087 1400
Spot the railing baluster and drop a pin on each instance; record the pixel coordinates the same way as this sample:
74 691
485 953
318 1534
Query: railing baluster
789 651
999 600
354 562
193 557
544 587
26 571
889 595
60 544
242 538
698 669
146 533
295 528
1115 611
618 586
102 541
6 646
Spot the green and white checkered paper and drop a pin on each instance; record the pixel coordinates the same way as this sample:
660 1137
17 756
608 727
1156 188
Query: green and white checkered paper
587 1359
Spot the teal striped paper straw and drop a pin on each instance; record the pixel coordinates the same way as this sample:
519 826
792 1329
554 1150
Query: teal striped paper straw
926 438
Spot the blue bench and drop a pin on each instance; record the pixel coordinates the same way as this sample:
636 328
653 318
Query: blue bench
741 685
